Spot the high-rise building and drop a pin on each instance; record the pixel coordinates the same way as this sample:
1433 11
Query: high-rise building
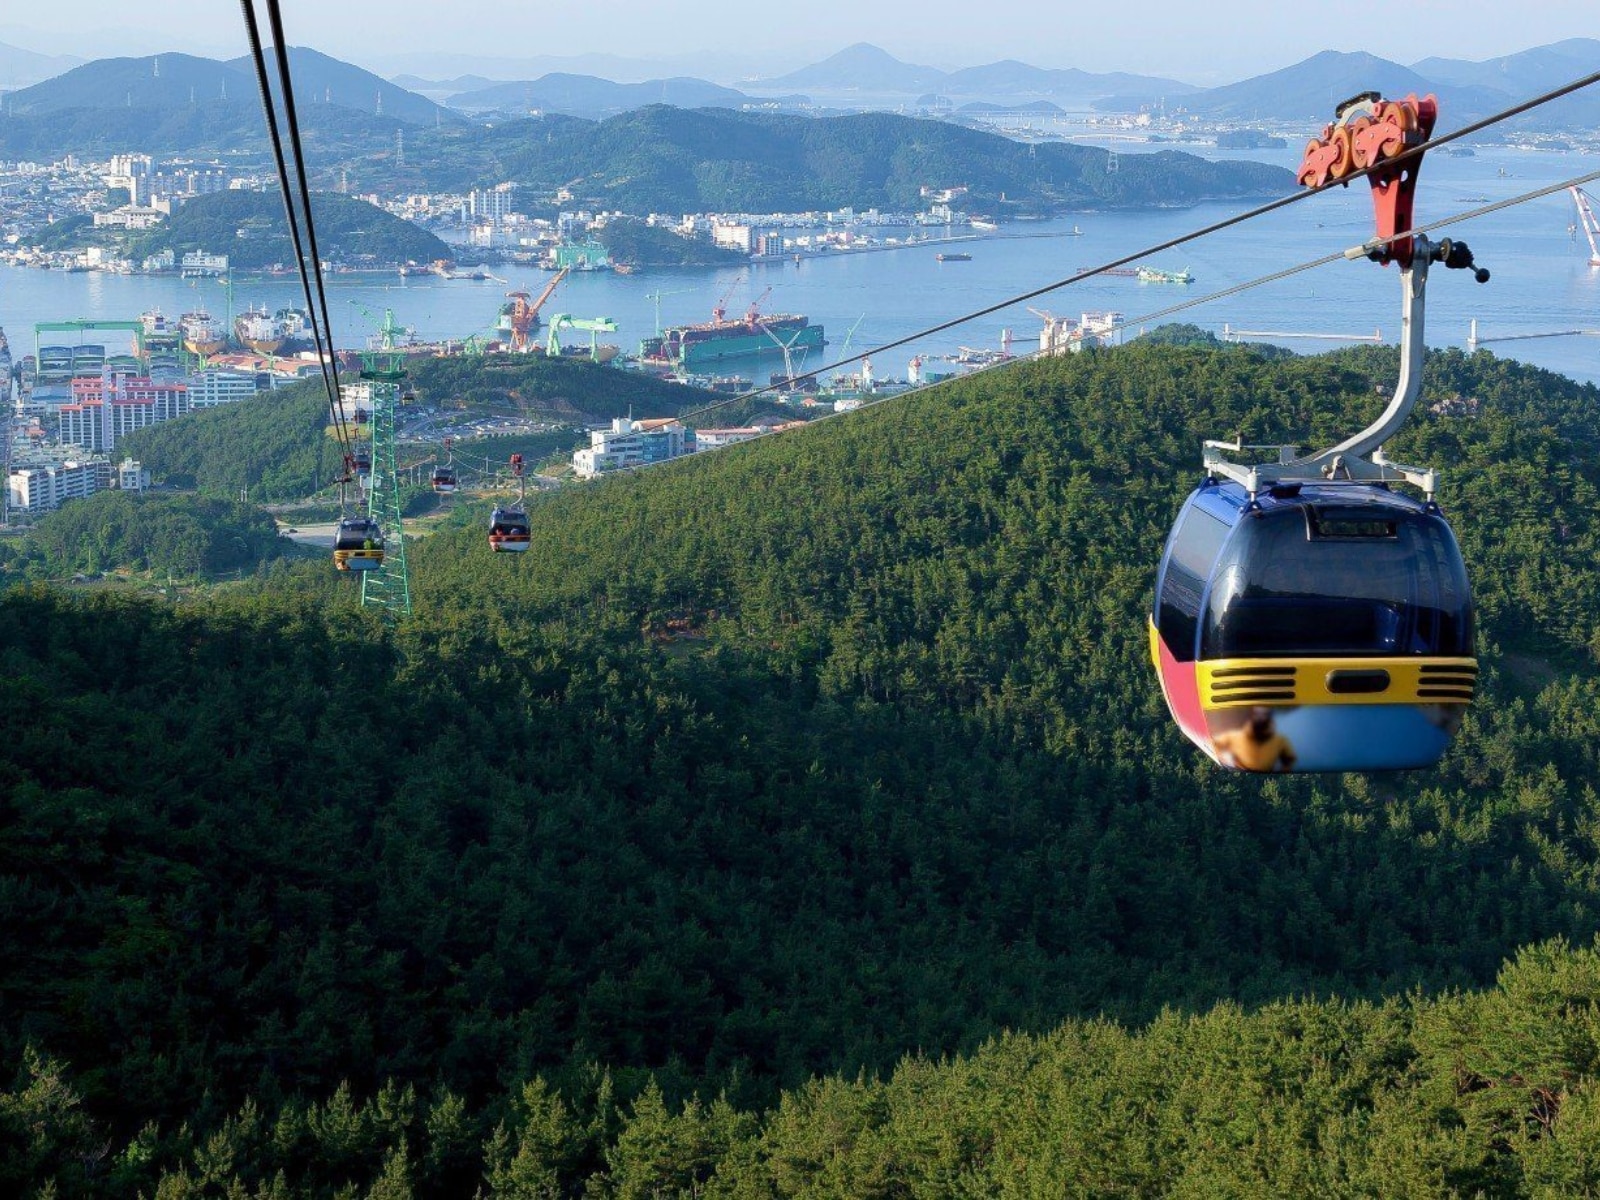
103 411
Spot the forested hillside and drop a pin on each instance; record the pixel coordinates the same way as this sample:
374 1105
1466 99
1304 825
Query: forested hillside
662 159
785 822
274 446
248 227
182 536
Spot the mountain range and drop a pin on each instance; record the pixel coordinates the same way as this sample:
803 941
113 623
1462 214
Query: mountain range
590 96
869 69
173 80
19 67
182 102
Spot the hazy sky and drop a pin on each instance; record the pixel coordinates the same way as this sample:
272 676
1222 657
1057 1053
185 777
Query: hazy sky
1202 43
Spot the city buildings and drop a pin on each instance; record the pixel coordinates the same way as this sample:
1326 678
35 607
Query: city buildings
103 411
44 488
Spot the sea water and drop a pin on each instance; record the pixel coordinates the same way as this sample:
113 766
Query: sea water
1541 281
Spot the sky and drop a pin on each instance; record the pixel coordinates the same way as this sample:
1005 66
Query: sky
1197 43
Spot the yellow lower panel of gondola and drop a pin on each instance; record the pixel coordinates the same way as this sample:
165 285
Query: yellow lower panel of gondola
1333 714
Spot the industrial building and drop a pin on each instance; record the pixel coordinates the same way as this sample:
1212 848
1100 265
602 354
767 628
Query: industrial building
630 443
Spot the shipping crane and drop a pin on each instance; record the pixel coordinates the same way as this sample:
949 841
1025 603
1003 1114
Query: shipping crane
521 316
719 310
753 314
590 325
786 346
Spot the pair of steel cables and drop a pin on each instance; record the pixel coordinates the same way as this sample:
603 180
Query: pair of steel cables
297 211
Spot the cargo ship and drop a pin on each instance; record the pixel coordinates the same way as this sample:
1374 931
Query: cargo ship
706 347
255 328
201 334
282 332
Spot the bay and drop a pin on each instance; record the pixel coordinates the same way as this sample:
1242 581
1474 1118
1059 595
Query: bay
1541 281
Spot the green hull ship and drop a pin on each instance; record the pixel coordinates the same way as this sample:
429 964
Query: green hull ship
717 344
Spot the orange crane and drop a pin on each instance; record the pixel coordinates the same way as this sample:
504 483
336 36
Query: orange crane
720 310
753 313
523 313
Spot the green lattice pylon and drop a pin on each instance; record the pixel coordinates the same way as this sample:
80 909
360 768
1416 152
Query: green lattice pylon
389 587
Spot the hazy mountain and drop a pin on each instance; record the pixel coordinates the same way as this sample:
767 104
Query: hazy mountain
159 81
322 79
588 96
444 87
167 81
1310 91
1500 82
1520 75
499 68
861 67
19 67
1012 78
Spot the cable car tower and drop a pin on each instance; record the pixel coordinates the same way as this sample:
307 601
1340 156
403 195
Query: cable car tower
383 370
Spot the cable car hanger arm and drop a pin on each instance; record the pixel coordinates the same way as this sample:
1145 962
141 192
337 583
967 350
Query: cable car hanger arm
1386 139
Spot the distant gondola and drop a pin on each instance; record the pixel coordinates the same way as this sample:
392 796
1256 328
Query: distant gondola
358 545
361 460
509 530
444 480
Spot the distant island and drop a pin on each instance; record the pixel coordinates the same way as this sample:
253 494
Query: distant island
248 227
663 159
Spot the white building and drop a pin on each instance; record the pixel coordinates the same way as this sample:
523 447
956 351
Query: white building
45 488
199 263
712 439
630 443
129 216
211 388
132 476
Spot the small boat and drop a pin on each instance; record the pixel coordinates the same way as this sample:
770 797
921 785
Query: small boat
1151 275
956 257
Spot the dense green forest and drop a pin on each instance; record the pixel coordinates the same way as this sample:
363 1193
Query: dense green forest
182 536
560 388
272 447
803 819
663 159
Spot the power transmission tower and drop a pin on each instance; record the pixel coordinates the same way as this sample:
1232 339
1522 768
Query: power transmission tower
389 587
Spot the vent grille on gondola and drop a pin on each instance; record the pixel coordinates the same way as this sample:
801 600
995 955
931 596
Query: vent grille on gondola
1453 684
1252 685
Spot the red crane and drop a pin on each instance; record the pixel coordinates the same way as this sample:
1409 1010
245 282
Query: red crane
524 313
752 314
720 309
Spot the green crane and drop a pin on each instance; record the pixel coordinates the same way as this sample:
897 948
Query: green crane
590 325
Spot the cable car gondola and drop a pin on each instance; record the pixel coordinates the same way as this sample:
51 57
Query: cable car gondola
444 480
1307 617
1316 627
361 460
509 530
358 545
